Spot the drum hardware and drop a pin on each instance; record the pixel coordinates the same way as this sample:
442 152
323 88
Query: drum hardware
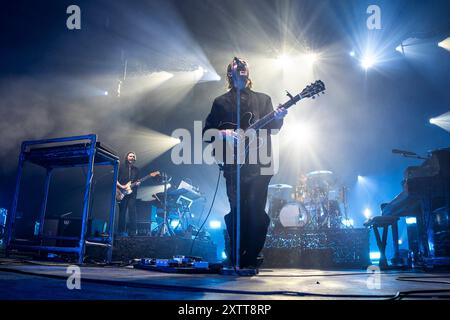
314 203
294 215
164 228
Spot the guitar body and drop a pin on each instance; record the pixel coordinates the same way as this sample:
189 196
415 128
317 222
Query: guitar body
249 137
122 192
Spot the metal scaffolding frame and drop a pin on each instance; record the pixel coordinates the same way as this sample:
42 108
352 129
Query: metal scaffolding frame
77 151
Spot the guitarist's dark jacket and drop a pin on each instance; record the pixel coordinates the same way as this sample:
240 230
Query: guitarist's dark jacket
223 116
128 173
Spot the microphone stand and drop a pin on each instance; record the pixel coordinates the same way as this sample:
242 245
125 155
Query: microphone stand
237 216
239 83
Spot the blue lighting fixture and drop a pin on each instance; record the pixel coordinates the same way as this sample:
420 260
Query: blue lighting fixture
374 255
215 224
411 220
175 223
348 222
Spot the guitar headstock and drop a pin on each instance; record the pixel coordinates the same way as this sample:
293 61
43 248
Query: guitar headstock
155 174
313 89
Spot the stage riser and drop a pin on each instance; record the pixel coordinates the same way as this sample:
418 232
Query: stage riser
340 248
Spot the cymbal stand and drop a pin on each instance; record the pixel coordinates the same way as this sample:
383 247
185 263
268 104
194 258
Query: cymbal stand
164 228
345 203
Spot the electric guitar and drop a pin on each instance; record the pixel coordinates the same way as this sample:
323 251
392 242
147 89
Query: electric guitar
122 192
248 136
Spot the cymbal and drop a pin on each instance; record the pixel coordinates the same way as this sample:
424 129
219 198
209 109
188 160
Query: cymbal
319 173
280 186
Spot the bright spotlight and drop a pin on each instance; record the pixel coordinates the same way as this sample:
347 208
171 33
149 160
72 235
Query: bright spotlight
411 220
175 223
367 213
352 53
348 222
224 255
176 141
283 61
442 121
105 93
399 48
367 62
445 44
303 133
400 241
215 224
361 179
312 58
374 255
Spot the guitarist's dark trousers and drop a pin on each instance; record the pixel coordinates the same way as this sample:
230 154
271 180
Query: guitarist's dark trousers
128 202
254 219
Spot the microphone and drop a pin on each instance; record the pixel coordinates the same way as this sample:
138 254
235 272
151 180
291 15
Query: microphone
239 73
403 152
239 62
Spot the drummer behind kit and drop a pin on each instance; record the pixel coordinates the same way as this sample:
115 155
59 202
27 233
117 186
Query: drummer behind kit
314 203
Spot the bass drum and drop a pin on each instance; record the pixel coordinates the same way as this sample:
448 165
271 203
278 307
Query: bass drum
294 215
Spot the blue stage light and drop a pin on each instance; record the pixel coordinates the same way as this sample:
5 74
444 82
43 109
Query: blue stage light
367 213
411 220
175 223
374 255
348 222
215 224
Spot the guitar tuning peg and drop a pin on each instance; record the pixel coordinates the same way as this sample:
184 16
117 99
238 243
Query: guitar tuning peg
313 97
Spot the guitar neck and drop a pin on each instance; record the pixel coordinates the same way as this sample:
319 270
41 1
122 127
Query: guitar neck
271 116
140 180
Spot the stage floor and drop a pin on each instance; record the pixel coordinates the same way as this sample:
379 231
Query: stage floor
37 280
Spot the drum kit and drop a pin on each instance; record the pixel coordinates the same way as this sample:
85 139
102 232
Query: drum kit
314 203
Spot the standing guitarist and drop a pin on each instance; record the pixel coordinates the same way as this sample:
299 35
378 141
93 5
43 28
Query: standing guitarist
253 186
128 172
